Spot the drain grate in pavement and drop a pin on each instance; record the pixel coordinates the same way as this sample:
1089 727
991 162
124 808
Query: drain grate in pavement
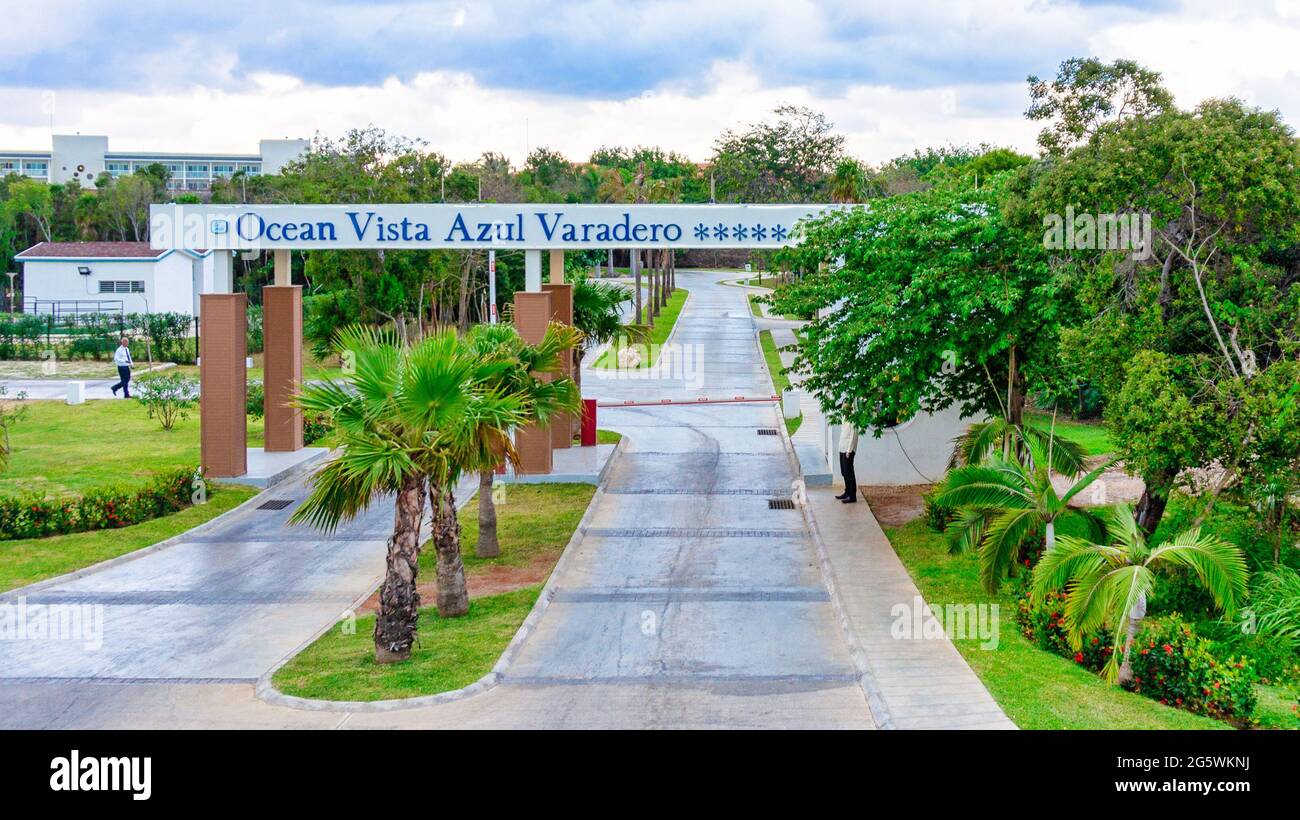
780 504
767 431
275 504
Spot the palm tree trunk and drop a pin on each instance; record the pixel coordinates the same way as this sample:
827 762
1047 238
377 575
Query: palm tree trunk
399 600
636 286
1051 535
610 259
488 546
1135 617
453 599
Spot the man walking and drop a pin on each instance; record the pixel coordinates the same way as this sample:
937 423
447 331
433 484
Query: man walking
122 358
848 449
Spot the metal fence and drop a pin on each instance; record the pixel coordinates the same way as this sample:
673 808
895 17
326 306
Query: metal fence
60 308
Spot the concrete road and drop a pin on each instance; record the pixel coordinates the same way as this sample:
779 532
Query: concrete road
689 602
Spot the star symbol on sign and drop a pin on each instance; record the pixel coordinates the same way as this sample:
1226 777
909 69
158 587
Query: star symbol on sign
760 233
719 231
701 231
779 232
740 232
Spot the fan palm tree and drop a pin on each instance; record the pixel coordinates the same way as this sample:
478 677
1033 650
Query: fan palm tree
489 447
848 182
1007 504
403 417
1109 584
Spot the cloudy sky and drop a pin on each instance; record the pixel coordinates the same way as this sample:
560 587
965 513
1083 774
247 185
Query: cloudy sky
575 75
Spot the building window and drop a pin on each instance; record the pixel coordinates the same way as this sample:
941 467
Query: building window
36 169
117 169
121 287
220 171
250 168
197 171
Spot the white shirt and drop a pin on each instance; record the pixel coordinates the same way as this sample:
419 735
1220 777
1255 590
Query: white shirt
848 439
122 356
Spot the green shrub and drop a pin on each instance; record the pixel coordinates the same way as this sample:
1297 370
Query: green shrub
936 514
256 339
255 403
315 427
1275 603
36 516
1174 665
168 398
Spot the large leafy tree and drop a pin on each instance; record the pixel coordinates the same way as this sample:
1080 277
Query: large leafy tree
924 301
1088 96
1179 337
406 416
786 160
1110 583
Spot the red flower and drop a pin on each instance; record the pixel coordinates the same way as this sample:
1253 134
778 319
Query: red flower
1169 650
1078 657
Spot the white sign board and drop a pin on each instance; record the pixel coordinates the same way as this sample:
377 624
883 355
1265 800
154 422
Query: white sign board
501 226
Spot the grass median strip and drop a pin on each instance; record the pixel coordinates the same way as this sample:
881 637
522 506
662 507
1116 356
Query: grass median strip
535 523
780 379
663 328
30 560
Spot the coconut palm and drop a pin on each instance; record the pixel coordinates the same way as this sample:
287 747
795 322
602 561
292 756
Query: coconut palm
542 399
848 182
1109 584
1005 505
402 417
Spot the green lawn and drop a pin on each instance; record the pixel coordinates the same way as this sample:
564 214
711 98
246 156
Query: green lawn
451 653
1090 435
754 307
781 381
1277 707
59 448
663 328
535 521
608 437
1037 690
35 559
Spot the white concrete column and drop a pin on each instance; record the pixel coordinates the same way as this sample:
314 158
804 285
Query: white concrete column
533 271
283 268
223 272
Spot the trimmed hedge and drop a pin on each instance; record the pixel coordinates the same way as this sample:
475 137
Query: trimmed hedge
35 516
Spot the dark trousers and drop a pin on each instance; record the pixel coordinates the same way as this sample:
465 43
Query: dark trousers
850 477
124 374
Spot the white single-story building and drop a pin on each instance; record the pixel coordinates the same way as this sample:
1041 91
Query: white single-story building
108 277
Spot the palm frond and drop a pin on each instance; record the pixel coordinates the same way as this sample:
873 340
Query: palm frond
1219 565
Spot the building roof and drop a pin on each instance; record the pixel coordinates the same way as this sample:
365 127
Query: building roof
91 250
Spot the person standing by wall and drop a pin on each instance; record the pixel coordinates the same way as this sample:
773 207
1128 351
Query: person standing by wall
848 449
122 358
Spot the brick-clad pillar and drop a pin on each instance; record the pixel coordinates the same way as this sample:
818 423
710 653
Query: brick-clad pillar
533 442
223 384
557 267
282 368
562 312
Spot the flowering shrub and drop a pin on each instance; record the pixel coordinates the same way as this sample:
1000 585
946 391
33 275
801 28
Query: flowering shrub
37 517
1171 663
1044 627
1175 666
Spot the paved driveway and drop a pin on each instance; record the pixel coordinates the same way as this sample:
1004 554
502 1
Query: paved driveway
689 602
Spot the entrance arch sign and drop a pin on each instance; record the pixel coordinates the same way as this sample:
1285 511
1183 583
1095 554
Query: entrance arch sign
465 227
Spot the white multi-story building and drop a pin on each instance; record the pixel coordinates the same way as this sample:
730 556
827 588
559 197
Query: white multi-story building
84 158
